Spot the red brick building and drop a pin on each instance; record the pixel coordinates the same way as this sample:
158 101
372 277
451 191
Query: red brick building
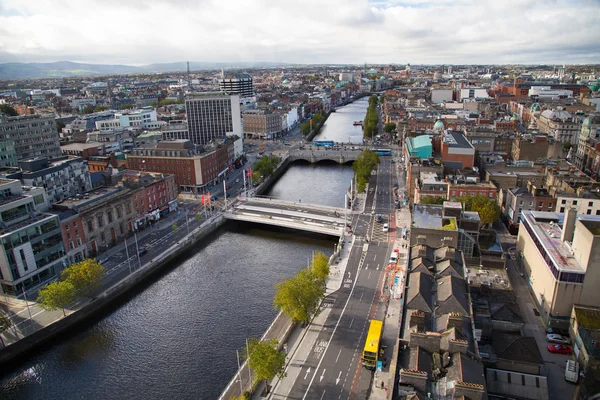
486 189
193 171
456 151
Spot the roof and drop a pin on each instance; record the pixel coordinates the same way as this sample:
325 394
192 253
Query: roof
588 317
419 292
456 139
516 348
427 216
452 295
80 146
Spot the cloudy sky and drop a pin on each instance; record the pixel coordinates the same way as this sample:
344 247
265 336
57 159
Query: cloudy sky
301 31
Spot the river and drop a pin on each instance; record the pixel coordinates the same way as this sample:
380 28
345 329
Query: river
177 337
339 126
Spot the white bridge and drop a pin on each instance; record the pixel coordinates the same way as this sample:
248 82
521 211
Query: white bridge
294 215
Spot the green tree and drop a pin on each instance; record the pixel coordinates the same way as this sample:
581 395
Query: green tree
126 106
88 109
299 296
265 360
99 108
5 324
305 128
8 110
320 266
488 209
389 128
85 276
198 217
56 295
363 166
431 200
174 227
566 145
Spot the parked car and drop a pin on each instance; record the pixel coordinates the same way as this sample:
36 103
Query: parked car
237 180
227 187
385 227
555 338
560 349
379 218
557 331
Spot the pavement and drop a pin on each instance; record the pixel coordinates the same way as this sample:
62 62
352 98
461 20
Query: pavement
28 316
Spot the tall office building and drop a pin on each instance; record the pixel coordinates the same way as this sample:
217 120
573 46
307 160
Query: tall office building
31 136
240 84
213 115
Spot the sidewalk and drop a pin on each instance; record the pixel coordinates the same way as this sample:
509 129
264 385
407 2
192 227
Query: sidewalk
301 340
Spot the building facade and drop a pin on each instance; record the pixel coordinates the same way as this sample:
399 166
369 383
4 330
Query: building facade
240 84
31 136
213 116
31 245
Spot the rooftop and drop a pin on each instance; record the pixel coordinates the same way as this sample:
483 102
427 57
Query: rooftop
427 216
456 139
547 228
588 317
496 278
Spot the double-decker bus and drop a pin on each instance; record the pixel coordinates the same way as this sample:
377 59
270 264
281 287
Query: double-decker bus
371 351
323 143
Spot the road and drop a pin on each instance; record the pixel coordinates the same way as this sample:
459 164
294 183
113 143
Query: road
333 369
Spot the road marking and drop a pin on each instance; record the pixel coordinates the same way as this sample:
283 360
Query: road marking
375 257
351 322
338 378
322 376
340 352
322 395
307 372
361 296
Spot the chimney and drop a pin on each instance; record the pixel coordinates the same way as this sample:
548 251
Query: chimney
568 228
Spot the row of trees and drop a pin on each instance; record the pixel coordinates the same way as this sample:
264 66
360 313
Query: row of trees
371 122
488 209
363 166
317 118
8 110
265 167
77 280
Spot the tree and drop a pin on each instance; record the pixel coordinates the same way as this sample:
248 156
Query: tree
56 295
265 360
363 166
88 109
85 276
99 108
5 324
320 266
299 296
174 227
431 200
305 128
126 106
389 128
488 210
8 110
198 217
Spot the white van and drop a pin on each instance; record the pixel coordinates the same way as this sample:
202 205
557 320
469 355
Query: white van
394 258
571 371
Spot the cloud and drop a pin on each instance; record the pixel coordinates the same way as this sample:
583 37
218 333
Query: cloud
308 31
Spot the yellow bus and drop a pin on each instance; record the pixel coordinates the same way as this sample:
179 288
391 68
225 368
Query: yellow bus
371 350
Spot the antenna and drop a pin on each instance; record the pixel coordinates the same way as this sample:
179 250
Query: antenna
188 77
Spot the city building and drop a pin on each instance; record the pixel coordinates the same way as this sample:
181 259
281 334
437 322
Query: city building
584 330
154 194
83 150
87 122
560 125
442 349
584 200
456 151
240 84
415 167
60 178
142 119
587 157
107 215
193 170
8 155
519 199
261 124
31 136
213 116
530 147
430 185
472 92
439 96
31 245
418 147
556 253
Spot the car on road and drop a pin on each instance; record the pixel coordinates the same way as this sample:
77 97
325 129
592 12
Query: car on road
227 187
385 227
142 251
557 331
379 218
555 338
237 180
560 349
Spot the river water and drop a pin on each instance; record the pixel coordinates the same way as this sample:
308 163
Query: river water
339 126
177 337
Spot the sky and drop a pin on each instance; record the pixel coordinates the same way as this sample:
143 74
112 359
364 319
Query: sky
138 32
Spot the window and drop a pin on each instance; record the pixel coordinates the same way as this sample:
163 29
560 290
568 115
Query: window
67 227
90 225
591 204
562 209
74 224
79 242
71 245
574 202
597 212
589 212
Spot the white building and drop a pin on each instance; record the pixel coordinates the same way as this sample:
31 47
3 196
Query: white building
472 92
83 103
347 76
292 118
547 93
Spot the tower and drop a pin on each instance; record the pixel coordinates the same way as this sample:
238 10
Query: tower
189 78
109 96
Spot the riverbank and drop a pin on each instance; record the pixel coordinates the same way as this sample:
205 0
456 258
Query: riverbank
109 298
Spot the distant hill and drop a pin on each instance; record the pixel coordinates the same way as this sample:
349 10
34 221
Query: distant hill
66 68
